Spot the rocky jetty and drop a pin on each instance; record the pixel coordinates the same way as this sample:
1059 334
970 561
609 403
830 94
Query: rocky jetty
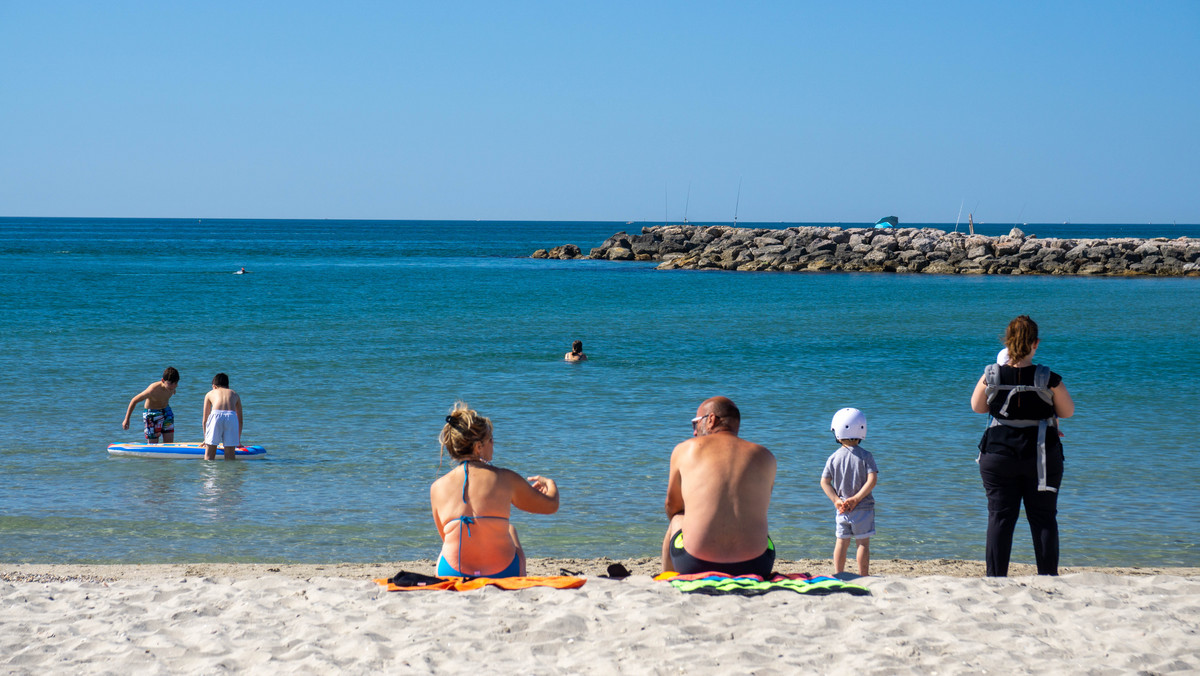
927 250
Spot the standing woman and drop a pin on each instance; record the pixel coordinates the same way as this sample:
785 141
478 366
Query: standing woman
1021 456
471 502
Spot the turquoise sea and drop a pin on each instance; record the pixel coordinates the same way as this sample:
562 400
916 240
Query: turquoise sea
350 340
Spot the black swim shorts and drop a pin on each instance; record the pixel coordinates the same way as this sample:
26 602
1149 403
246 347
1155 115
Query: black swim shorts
685 563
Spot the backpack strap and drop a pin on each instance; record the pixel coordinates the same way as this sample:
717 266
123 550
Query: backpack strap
1040 386
1041 379
991 376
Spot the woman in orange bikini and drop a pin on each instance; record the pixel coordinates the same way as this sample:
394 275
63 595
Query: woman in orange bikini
471 502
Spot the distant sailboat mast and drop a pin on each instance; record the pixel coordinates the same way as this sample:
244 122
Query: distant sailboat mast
687 202
959 217
738 203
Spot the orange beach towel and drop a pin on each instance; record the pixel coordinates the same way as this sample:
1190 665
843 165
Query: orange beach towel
464 584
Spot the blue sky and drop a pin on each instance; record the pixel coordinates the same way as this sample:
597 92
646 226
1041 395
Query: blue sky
1023 112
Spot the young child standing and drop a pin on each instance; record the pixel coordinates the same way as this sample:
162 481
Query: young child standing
848 479
157 416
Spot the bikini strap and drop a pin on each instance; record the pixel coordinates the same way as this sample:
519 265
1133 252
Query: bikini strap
464 522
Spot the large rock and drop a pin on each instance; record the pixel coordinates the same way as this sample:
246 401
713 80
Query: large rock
940 268
875 257
565 252
979 251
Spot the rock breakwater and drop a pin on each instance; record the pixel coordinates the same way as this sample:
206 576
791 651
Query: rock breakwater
925 250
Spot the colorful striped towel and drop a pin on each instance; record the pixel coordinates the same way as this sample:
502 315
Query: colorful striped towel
717 584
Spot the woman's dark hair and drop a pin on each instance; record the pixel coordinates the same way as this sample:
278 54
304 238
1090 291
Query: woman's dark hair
1020 338
577 347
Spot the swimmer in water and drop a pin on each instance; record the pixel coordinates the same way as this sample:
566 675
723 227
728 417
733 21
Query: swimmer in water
576 353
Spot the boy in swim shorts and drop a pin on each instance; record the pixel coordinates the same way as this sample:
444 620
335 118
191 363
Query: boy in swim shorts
849 477
158 419
222 422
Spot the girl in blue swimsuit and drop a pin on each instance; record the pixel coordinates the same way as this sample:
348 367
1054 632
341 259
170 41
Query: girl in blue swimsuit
471 503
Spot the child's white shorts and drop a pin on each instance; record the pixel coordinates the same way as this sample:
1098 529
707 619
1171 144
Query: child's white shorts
222 429
857 524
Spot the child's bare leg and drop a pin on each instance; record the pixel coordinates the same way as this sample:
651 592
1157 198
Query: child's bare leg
168 437
230 451
840 547
864 556
210 452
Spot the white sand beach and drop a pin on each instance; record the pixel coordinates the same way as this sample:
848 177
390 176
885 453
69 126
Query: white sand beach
922 617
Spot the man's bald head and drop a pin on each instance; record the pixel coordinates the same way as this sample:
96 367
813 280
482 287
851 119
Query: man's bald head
728 417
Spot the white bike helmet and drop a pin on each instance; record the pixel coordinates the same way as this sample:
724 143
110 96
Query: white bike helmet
849 423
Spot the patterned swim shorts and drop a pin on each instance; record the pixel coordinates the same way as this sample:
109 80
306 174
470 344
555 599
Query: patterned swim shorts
158 420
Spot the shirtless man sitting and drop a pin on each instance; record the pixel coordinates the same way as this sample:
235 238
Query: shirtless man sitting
717 498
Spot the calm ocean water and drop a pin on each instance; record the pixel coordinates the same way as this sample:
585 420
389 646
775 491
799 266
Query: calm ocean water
350 340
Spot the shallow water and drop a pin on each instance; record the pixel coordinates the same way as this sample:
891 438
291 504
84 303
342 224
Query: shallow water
349 341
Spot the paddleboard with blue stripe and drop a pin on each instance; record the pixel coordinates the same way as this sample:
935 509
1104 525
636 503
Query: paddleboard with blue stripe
181 450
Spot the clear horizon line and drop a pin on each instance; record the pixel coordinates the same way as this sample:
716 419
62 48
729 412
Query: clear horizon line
742 223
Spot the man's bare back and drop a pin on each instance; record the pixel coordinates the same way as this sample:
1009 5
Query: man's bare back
719 489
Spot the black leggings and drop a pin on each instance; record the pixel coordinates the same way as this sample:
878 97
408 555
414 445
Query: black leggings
1009 481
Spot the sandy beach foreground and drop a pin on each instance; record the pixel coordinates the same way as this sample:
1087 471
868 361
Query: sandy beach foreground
921 617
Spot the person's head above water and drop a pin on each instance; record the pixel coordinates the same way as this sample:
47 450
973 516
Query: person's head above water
577 347
1021 338
464 429
716 414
